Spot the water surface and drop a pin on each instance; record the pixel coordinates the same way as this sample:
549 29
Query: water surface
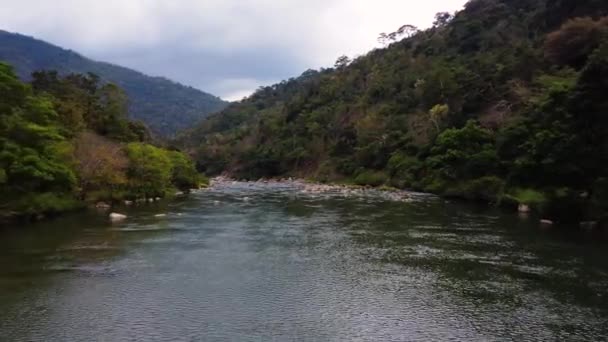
247 262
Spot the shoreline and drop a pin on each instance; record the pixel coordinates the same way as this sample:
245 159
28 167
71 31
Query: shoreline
310 186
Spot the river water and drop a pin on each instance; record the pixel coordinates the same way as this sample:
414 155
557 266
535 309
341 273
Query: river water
252 262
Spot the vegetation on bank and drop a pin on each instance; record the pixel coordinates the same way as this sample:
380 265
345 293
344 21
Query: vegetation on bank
505 101
65 141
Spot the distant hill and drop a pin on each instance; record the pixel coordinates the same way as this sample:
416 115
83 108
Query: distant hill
504 101
165 106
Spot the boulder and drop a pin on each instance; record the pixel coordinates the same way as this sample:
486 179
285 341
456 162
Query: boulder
589 225
114 217
128 202
523 208
102 205
546 222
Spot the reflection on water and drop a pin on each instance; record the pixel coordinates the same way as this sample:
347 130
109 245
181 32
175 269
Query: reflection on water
290 266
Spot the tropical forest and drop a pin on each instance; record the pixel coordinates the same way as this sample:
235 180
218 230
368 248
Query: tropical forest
503 102
304 170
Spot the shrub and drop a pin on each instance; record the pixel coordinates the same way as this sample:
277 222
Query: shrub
150 170
371 178
574 41
45 203
101 165
203 181
485 188
325 172
403 169
530 197
183 173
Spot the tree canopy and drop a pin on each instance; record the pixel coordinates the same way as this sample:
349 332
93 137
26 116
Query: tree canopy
501 99
67 139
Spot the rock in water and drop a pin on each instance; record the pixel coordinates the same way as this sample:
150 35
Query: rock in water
523 208
114 217
589 225
102 205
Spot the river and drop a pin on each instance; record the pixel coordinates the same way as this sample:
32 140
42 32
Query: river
266 262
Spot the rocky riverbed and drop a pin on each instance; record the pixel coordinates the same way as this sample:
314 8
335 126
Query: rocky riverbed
313 189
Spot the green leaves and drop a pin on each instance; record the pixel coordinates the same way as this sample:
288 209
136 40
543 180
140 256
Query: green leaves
154 171
149 170
12 92
40 166
29 161
183 174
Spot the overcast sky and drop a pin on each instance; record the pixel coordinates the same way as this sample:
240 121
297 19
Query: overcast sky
225 47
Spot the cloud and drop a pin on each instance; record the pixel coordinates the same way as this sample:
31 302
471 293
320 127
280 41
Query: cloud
226 47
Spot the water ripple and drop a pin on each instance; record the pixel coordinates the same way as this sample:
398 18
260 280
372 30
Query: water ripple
257 262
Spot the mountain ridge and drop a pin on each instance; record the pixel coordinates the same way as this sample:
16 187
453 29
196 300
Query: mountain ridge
164 105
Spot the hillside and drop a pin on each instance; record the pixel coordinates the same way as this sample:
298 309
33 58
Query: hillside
165 106
501 102
66 141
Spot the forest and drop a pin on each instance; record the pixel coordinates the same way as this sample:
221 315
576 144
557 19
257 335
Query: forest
65 142
164 105
502 102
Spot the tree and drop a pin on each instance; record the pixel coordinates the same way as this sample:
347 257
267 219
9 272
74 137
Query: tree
101 163
342 62
465 153
12 93
82 102
574 41
438 113
442 19
383 38
405 31
150 170
112 104
183 174
32 161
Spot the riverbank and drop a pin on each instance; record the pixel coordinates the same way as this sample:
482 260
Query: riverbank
350 190
65 206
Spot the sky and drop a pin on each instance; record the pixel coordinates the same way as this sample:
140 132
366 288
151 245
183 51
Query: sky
224 47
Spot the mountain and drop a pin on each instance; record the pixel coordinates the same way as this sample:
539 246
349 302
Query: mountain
503 101
165 106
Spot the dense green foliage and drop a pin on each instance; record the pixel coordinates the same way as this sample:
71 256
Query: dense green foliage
166 107
62 140
505 101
